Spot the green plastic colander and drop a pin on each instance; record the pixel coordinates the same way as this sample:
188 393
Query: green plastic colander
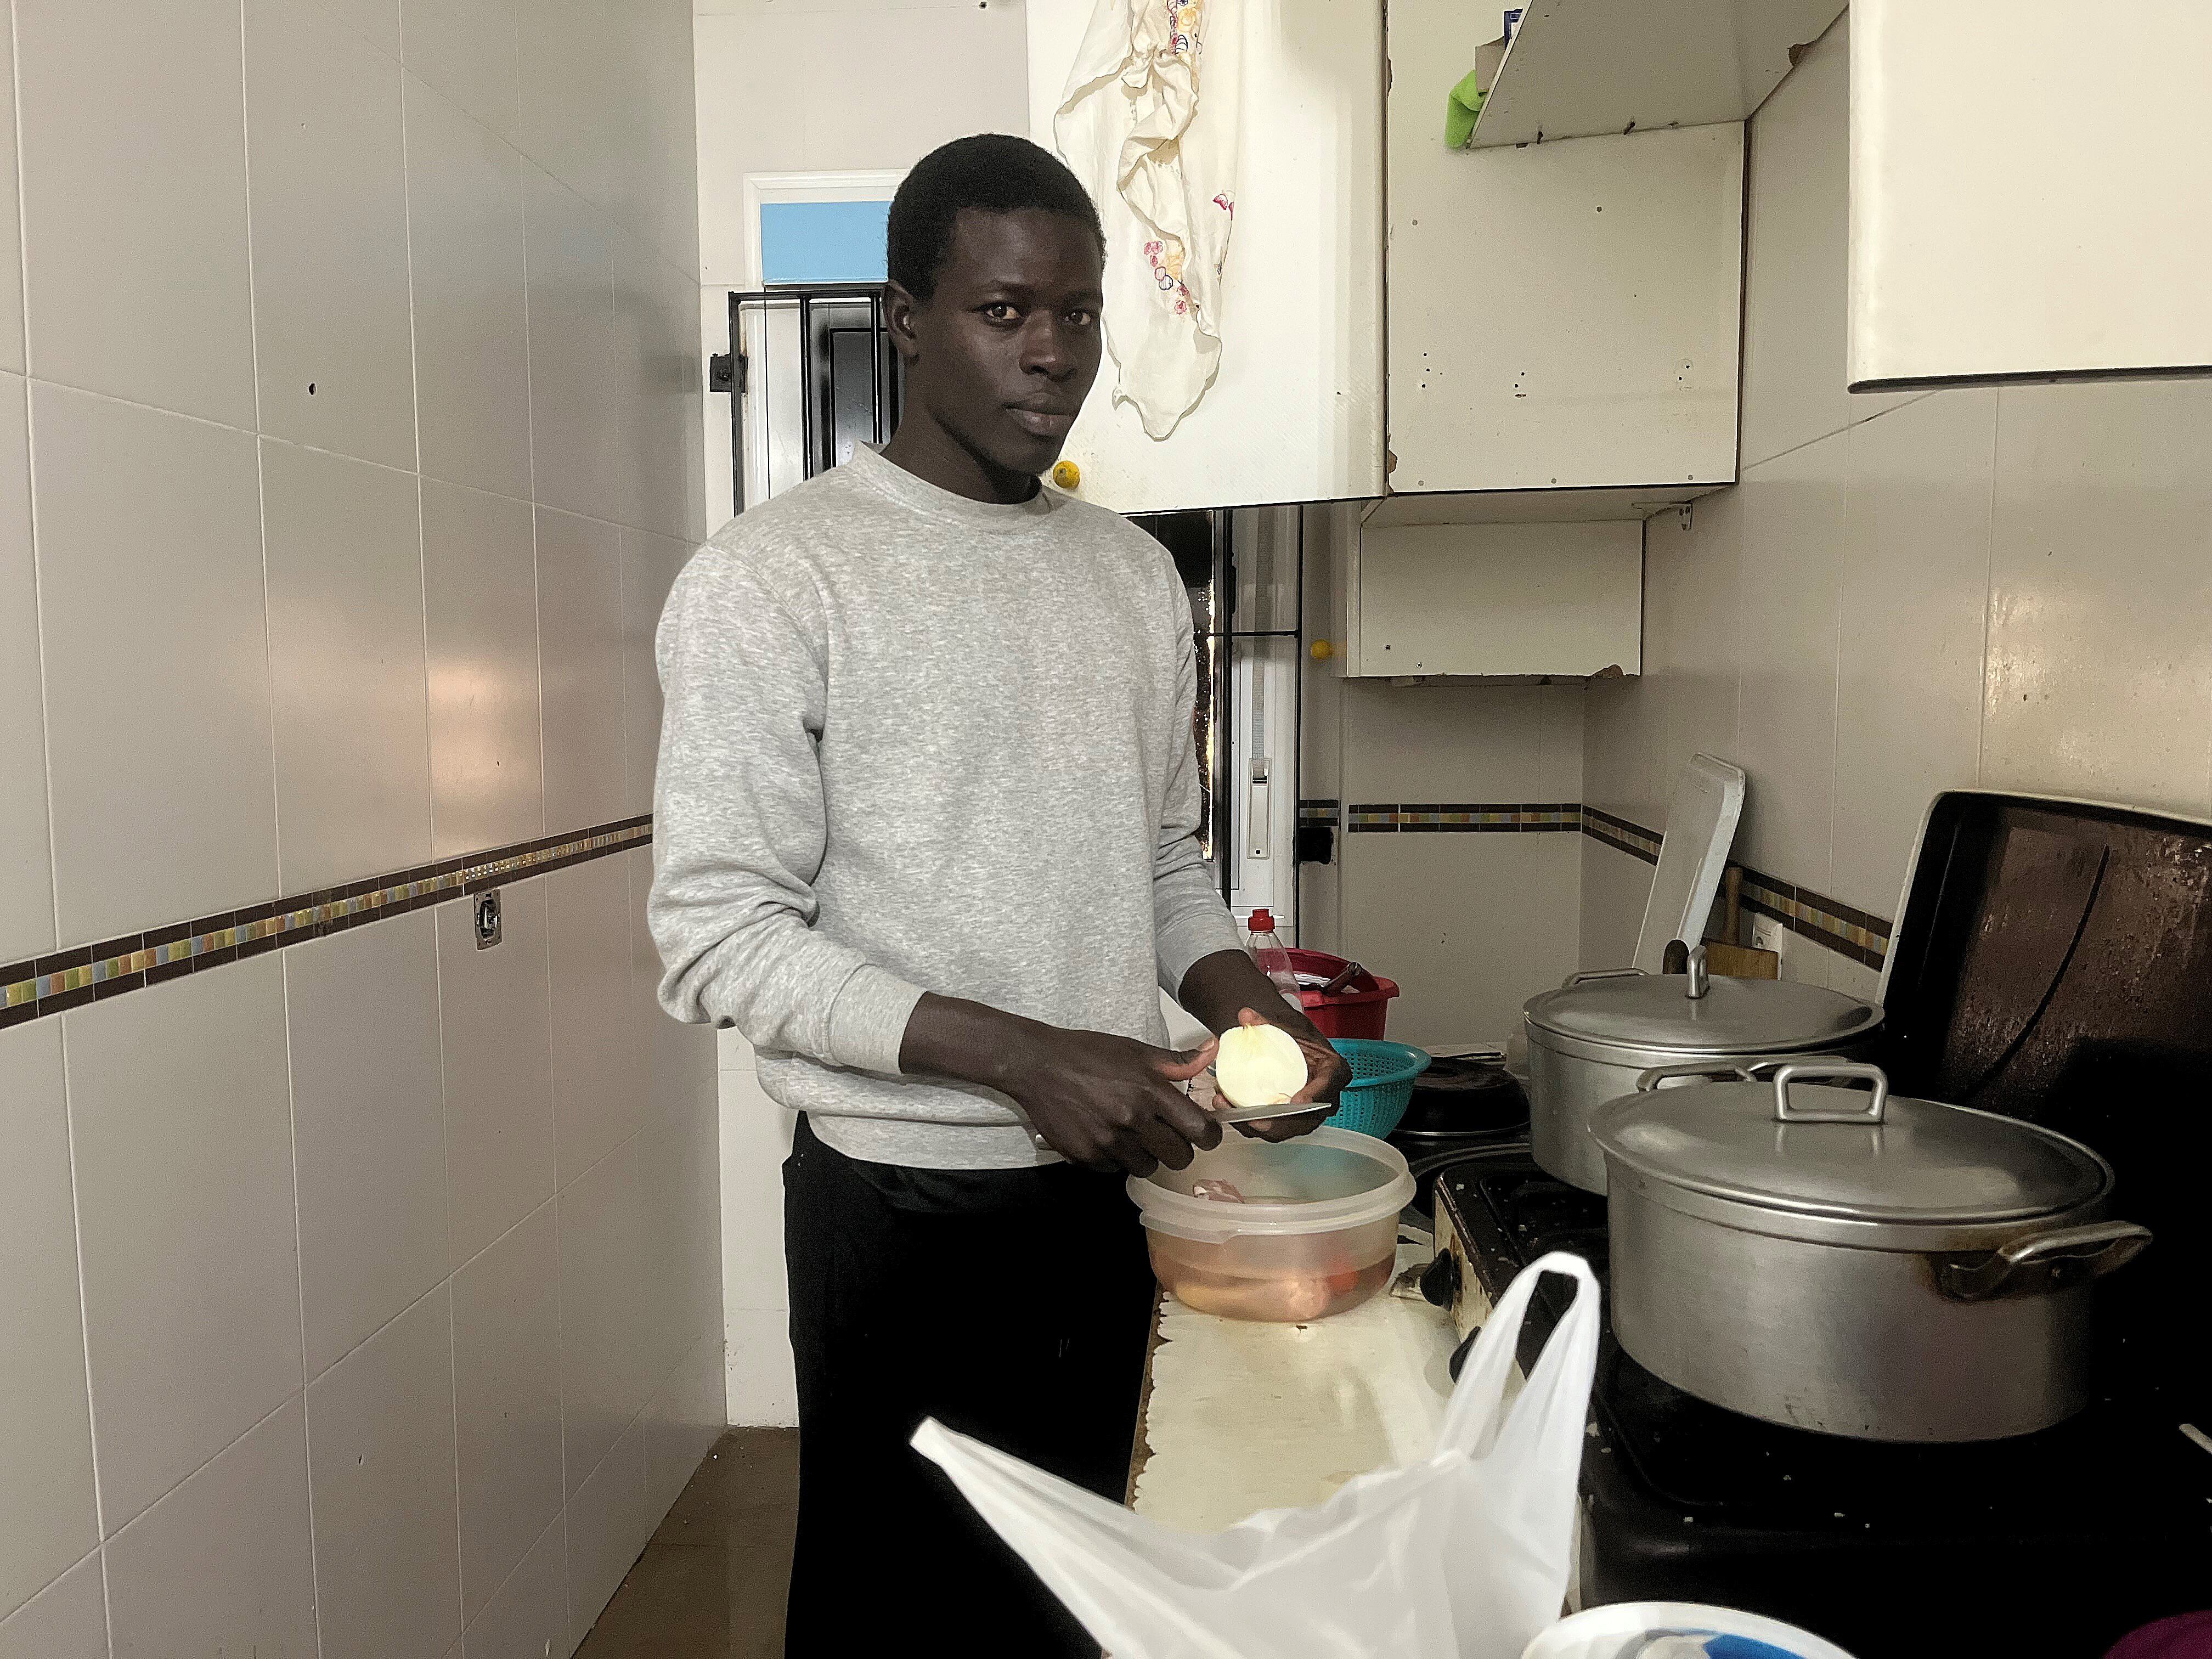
1382 1087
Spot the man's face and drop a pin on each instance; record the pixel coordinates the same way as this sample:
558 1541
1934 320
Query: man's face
1003 354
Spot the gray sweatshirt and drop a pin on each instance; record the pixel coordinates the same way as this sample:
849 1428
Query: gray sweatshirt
914 742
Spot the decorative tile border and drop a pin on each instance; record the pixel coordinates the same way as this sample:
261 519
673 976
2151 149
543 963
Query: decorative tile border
89 972
1829 923
1318 811
1620 834
1508 816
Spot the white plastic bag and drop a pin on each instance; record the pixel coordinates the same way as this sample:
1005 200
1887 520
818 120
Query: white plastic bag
1464 1556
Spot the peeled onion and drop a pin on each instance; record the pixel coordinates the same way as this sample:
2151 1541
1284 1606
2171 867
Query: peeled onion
1258 1066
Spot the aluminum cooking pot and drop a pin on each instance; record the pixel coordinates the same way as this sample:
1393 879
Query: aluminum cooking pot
1591 1040
1856 1263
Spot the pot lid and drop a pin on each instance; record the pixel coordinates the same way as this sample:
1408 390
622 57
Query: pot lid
1648 1012
1921 1163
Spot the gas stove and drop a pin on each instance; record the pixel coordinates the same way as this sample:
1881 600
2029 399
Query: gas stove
2054 963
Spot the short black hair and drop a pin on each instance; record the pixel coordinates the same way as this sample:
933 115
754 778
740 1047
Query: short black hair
991 173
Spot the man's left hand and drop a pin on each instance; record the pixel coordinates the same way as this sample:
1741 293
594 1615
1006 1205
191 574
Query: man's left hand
1327 1073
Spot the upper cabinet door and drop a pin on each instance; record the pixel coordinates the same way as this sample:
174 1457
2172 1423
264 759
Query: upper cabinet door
1295 412
2031 190
1563 315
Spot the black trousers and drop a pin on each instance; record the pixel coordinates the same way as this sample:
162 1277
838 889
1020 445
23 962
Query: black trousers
1011 1305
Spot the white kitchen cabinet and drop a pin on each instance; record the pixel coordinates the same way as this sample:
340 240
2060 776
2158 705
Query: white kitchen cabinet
1295 413
1564 314
2031 190
1493 600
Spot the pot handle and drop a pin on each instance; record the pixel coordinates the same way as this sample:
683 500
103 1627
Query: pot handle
2045 1262
1659 1076
1804 1071
1585 977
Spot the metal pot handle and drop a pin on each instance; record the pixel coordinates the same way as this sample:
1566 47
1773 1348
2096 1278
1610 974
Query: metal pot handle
1585 977
2045 1262
1805 1071
1659 1076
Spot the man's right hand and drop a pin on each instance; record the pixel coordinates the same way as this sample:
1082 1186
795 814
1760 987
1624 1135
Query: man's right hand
1108 1102
1104 1102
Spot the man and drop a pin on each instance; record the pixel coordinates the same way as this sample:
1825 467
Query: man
925 826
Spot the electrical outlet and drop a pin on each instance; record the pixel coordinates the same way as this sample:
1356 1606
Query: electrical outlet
1768 934
488 919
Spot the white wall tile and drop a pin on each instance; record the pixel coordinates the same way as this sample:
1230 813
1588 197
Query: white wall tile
1428 910
755 1138
498 1067
224 1563
2099 674
659 396
1915 585
472 307
1616 887
368 1125
649 568
480 577
580 623
467 50
1446 742
656 167
1793 548
11 242
26 898
133 139
164 805
380 1433
346 665
571 121
600 1087
574 377
327 154
679 1289
47 1519
180 1122
1690 636
528 1619
507 1392
764 1391
895 111
608 1528
683 1423
68 1620
604 1376
376 21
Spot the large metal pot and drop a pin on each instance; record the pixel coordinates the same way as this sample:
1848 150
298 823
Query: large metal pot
1861 1264
1591 1040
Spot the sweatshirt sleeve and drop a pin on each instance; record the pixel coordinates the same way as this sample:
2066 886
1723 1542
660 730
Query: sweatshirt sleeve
740 829
1189 920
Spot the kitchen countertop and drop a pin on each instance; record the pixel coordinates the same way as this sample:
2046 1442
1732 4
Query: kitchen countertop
1239 1416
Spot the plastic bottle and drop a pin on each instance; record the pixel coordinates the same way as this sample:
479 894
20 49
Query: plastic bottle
1273 959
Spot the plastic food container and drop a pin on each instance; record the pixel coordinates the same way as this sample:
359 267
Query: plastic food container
1631 1630
1316 1232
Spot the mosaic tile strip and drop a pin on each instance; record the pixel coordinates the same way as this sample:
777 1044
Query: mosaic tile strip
1829 923
1318 811
1620 834
69 979
1509 816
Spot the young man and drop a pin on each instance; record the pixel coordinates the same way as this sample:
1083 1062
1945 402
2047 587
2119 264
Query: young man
925 822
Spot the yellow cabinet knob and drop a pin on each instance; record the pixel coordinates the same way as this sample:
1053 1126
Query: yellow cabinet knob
1322 650
1067 474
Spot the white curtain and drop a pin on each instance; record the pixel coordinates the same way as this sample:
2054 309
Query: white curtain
1150 122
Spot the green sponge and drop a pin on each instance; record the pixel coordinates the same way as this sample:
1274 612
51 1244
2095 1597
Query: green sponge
1460 110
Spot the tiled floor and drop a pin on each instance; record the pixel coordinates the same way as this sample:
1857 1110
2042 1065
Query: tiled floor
710 1585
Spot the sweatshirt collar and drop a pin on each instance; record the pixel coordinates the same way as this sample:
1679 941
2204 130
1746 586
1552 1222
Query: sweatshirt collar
890 479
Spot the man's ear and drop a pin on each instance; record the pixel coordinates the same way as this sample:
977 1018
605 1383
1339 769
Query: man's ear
899 309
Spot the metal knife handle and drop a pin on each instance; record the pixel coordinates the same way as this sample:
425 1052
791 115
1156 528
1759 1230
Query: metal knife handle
1806 1071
